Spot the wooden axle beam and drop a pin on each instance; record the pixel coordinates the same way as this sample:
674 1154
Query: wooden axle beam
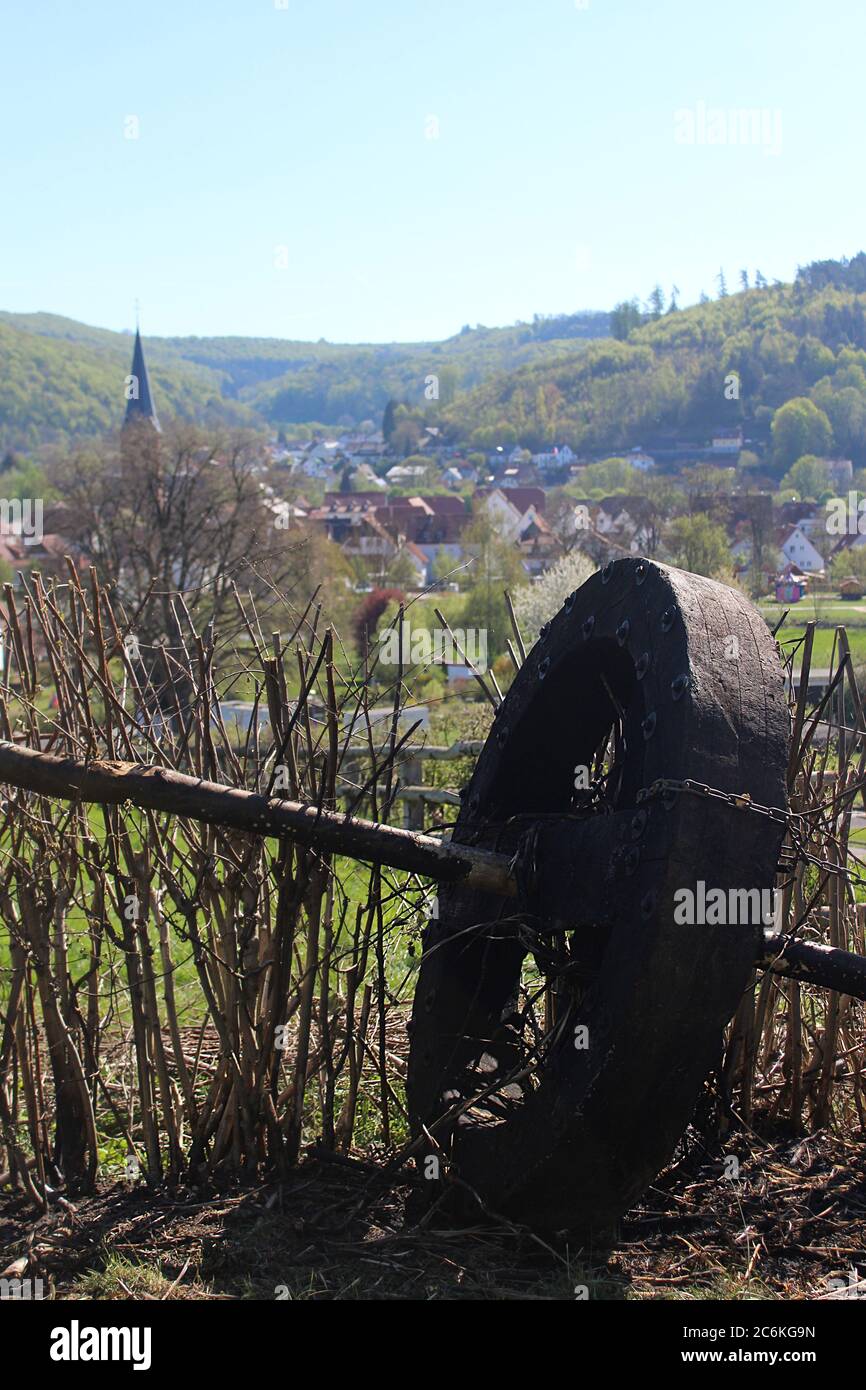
161 789
815 964
331 832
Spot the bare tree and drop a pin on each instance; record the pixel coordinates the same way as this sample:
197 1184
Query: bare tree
175 522
178 513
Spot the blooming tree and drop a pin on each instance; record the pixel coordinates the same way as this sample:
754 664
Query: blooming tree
536 603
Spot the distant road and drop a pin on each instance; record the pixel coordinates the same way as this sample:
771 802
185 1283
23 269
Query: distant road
818 675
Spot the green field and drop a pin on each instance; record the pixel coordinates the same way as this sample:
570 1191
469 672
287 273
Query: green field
829 615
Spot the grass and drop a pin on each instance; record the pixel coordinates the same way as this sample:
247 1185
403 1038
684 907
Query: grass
823 643
122 1278
829 613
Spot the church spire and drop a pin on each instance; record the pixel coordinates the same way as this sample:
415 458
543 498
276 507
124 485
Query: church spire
139 405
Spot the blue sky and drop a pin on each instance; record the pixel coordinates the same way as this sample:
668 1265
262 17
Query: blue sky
290 178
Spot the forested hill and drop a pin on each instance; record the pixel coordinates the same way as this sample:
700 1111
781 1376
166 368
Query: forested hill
337 383
555 380
672 376
59 377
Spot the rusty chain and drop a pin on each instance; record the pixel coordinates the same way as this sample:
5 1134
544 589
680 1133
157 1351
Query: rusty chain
797 823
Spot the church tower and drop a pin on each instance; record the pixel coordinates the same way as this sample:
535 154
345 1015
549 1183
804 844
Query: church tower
139 405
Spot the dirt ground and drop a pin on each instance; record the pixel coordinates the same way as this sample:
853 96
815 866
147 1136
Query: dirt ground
791 1226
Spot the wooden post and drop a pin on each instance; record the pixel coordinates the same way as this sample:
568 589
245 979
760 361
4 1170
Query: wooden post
412 775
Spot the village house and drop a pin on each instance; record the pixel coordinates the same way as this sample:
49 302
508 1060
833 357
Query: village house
406 473
341 514
807 515
798 550
562 456
46 550
351 500
321 457
366 539
418 560
538 545
445 560
840 472
727 441
286 515
407 516
454 469
626 520
511 510
363 446
365 474
639 458
742 547
451 517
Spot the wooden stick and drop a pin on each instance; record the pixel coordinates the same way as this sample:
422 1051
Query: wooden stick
815 963
515 628
465 659
161 789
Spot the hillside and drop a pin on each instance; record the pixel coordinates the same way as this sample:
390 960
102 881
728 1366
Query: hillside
337 383
59 377
731 361
670 376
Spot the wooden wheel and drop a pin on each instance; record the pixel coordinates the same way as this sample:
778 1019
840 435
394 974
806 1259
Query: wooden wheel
676 677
